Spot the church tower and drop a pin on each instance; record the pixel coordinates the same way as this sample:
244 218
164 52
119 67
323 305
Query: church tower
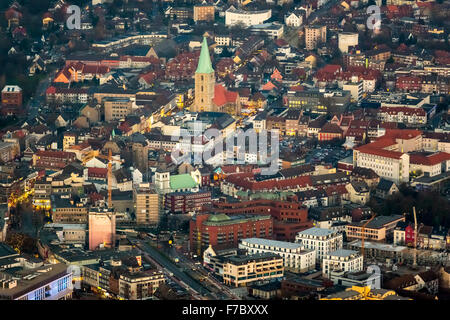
204 81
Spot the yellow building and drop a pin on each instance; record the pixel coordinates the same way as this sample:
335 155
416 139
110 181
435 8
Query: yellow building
69 140
365 293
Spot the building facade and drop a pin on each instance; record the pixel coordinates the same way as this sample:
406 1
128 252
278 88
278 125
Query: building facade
295 257
322 241
345 260
240 271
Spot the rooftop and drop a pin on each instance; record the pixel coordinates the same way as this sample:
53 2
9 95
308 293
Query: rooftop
272 243
342 253
317 232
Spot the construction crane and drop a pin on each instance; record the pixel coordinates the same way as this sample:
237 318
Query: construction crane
362 233
416 232
110 160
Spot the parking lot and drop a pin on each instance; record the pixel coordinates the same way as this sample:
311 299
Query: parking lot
327 154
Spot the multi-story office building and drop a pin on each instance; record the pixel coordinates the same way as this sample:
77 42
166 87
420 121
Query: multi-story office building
356 90
42 193
345 260
242 270
185 202
249 18
314 35
46 282
323 241
295 257
117 108
376 230
222 229
65 210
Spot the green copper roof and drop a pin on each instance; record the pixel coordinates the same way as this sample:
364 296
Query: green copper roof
204 62
182 181
219 217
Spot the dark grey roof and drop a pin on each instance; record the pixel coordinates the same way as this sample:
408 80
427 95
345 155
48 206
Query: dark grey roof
385 185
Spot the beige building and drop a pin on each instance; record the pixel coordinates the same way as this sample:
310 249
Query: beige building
148 204
240 271
92 114
117 108
376 230
204 12
141 285
67 211
359 192
346 40
314 35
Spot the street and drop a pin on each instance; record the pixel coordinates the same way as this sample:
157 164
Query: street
175 273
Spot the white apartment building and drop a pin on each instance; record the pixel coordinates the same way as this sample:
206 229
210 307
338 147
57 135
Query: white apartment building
345 260
295 257
223 40
403 115
322 241
235 16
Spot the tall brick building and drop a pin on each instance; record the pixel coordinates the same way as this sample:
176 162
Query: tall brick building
220 229
290 217
11 100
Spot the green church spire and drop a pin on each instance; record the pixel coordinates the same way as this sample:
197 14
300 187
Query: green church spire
204 62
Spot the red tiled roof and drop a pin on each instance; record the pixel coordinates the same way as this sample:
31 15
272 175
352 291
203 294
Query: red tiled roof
97 172
378 147
55 154
429 160
223 96
331 128
407 111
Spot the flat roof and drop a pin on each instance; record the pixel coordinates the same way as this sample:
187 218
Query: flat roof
242 259
342 253
42 275
317 232
378 246
273 243
379 221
